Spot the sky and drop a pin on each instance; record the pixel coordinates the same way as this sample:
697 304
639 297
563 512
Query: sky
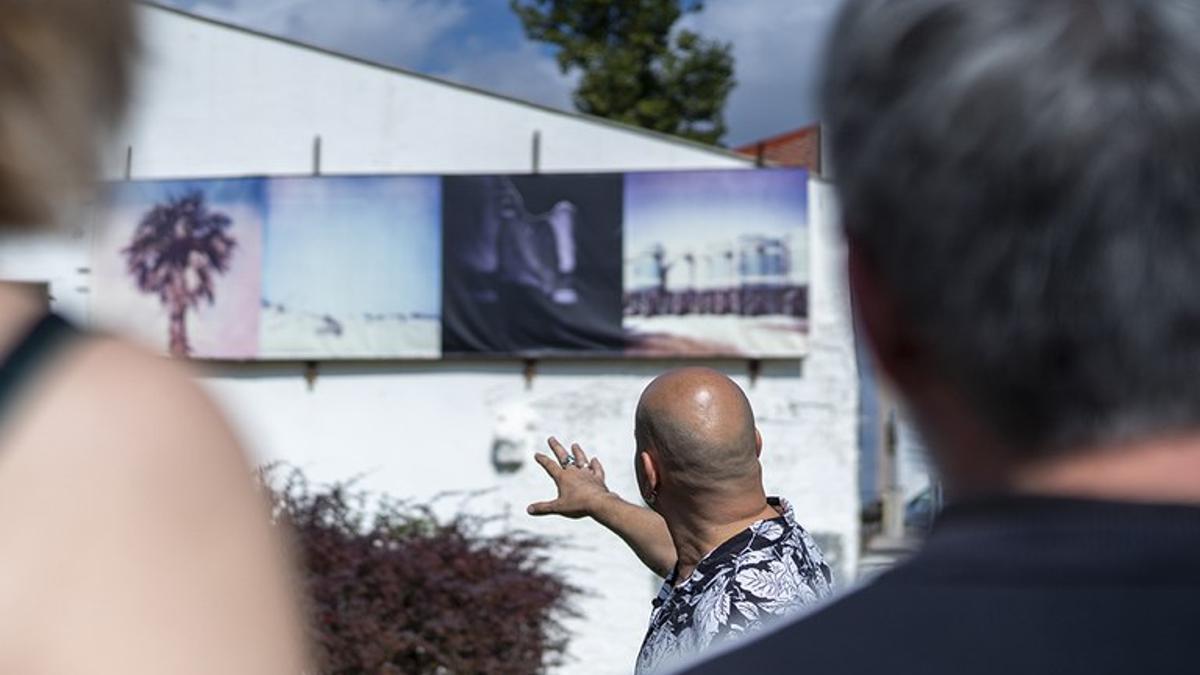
391 264
777 46
697 209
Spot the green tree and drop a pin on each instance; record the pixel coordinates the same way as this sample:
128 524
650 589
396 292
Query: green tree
636 67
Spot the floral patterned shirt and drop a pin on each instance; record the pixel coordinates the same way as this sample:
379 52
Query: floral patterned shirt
766 571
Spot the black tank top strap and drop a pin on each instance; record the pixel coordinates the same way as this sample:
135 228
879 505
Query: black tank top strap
22 364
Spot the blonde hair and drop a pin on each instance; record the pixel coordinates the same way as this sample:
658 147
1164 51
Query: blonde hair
64 78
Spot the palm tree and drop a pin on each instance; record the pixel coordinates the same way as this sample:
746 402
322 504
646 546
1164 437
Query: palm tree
177 250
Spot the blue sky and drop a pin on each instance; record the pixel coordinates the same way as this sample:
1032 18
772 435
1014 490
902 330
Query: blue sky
480 43
247 191
701 206
354 245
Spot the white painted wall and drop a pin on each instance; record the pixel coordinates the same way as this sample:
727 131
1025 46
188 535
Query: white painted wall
216 101
221 102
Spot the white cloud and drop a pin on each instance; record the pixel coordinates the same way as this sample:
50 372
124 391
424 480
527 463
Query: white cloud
403 32
524 72
778 46
393 31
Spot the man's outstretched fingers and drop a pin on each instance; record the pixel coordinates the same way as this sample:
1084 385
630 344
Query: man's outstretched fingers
597 468
580 458
559 451
542 508
552 467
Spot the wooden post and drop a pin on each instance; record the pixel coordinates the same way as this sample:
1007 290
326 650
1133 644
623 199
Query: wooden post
316 153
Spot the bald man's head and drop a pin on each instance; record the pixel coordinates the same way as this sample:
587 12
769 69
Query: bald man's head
698 424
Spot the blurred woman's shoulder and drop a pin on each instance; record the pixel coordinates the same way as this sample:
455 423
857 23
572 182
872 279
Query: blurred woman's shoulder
127 507
102 399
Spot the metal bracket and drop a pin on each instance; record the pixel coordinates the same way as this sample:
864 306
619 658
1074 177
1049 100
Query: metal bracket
530 372
311 371
537 152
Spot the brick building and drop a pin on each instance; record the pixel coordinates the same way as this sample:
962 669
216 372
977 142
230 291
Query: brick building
800 147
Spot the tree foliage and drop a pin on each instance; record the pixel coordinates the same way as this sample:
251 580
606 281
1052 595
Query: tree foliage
178 249
393 589
636 66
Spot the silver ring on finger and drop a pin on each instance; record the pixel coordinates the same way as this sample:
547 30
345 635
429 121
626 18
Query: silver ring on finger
569 460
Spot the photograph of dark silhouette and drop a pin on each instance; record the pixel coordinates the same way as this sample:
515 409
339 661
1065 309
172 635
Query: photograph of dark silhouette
532 264
716 263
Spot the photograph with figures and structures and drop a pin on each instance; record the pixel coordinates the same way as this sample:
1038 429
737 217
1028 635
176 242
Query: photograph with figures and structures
352 268
533 264
716 263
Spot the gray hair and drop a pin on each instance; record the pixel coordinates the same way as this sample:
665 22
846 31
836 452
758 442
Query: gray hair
1024 177
64 78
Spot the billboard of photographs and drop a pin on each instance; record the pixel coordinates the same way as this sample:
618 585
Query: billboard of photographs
279 268
673 264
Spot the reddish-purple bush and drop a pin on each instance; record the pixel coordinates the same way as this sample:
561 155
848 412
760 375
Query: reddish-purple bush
394 590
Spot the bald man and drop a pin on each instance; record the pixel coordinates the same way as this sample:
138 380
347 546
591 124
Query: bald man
733 558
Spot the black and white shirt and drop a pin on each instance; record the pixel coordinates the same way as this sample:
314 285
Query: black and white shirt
766 571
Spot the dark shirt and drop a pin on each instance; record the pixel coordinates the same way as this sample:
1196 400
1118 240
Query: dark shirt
1012 585
24 362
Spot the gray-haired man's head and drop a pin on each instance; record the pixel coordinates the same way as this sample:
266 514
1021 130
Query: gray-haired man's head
1022 178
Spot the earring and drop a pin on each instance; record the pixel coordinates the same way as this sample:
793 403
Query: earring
651 497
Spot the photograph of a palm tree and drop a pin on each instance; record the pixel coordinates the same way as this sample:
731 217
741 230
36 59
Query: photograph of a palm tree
532 264
352 268
177 264
716 263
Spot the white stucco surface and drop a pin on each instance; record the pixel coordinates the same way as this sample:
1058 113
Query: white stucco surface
218 102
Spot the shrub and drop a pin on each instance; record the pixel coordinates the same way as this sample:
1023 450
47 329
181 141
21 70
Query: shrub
392 589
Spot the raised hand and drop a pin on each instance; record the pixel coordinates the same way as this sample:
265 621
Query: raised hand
580 482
